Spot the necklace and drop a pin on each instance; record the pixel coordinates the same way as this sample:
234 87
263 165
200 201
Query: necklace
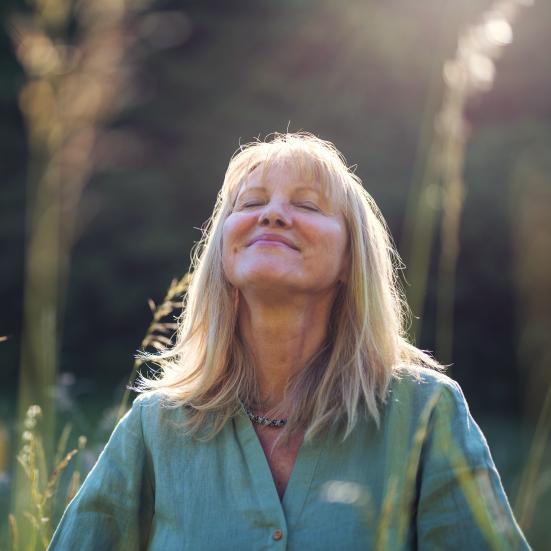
266 421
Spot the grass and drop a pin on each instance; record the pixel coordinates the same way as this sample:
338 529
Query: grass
32 527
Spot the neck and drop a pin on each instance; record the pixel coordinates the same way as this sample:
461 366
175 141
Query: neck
283 338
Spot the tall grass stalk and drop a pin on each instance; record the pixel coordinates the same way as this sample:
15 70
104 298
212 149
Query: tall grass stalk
478 493
526 502
398 505
31 527
158 333
419 214
399 500
442 189
72 89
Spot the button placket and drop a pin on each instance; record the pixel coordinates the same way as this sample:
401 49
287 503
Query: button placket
262 482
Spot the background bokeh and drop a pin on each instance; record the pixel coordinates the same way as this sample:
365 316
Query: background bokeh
201 77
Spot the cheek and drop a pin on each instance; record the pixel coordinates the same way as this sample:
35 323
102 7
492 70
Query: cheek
230 234
226 237
333 240
234 237
227 245
341 239
332 251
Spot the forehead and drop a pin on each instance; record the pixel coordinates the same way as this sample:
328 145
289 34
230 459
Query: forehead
275 176
297 171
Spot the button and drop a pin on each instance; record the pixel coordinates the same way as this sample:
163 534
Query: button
277 535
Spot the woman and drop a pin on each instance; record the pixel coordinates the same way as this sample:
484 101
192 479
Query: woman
292 413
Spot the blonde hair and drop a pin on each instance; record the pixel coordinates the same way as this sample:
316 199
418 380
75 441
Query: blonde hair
209 369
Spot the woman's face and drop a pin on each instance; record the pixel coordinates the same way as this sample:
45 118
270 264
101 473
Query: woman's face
284 235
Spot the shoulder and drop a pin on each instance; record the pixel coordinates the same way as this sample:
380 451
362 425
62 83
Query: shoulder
148 400
434 407
156 415
424 376
153 403
145 406
417 385
427 396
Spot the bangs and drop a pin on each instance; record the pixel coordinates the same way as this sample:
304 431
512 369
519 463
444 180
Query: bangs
311 159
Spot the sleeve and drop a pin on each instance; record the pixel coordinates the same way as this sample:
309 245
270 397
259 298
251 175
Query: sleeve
113 508
461 501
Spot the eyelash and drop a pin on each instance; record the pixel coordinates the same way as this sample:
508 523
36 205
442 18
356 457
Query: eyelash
307 206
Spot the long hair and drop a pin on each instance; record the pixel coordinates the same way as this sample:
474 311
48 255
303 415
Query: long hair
210 370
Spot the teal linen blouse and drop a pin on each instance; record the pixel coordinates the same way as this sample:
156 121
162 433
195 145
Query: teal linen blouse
423 480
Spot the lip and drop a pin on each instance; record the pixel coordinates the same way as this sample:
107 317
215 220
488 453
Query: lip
274 238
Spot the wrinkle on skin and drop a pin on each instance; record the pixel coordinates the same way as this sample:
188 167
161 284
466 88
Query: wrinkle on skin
283 340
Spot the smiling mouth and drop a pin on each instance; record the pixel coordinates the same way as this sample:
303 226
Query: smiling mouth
273 240
268 243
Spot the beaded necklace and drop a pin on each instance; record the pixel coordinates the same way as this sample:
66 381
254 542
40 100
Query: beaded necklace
266 421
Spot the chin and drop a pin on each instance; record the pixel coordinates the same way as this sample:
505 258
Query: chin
267 277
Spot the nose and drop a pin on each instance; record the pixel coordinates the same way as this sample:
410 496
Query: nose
274 214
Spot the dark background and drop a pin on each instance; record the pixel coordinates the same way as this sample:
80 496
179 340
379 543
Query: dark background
358 73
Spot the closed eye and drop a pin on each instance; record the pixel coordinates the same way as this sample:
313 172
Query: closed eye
251 204
308 206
